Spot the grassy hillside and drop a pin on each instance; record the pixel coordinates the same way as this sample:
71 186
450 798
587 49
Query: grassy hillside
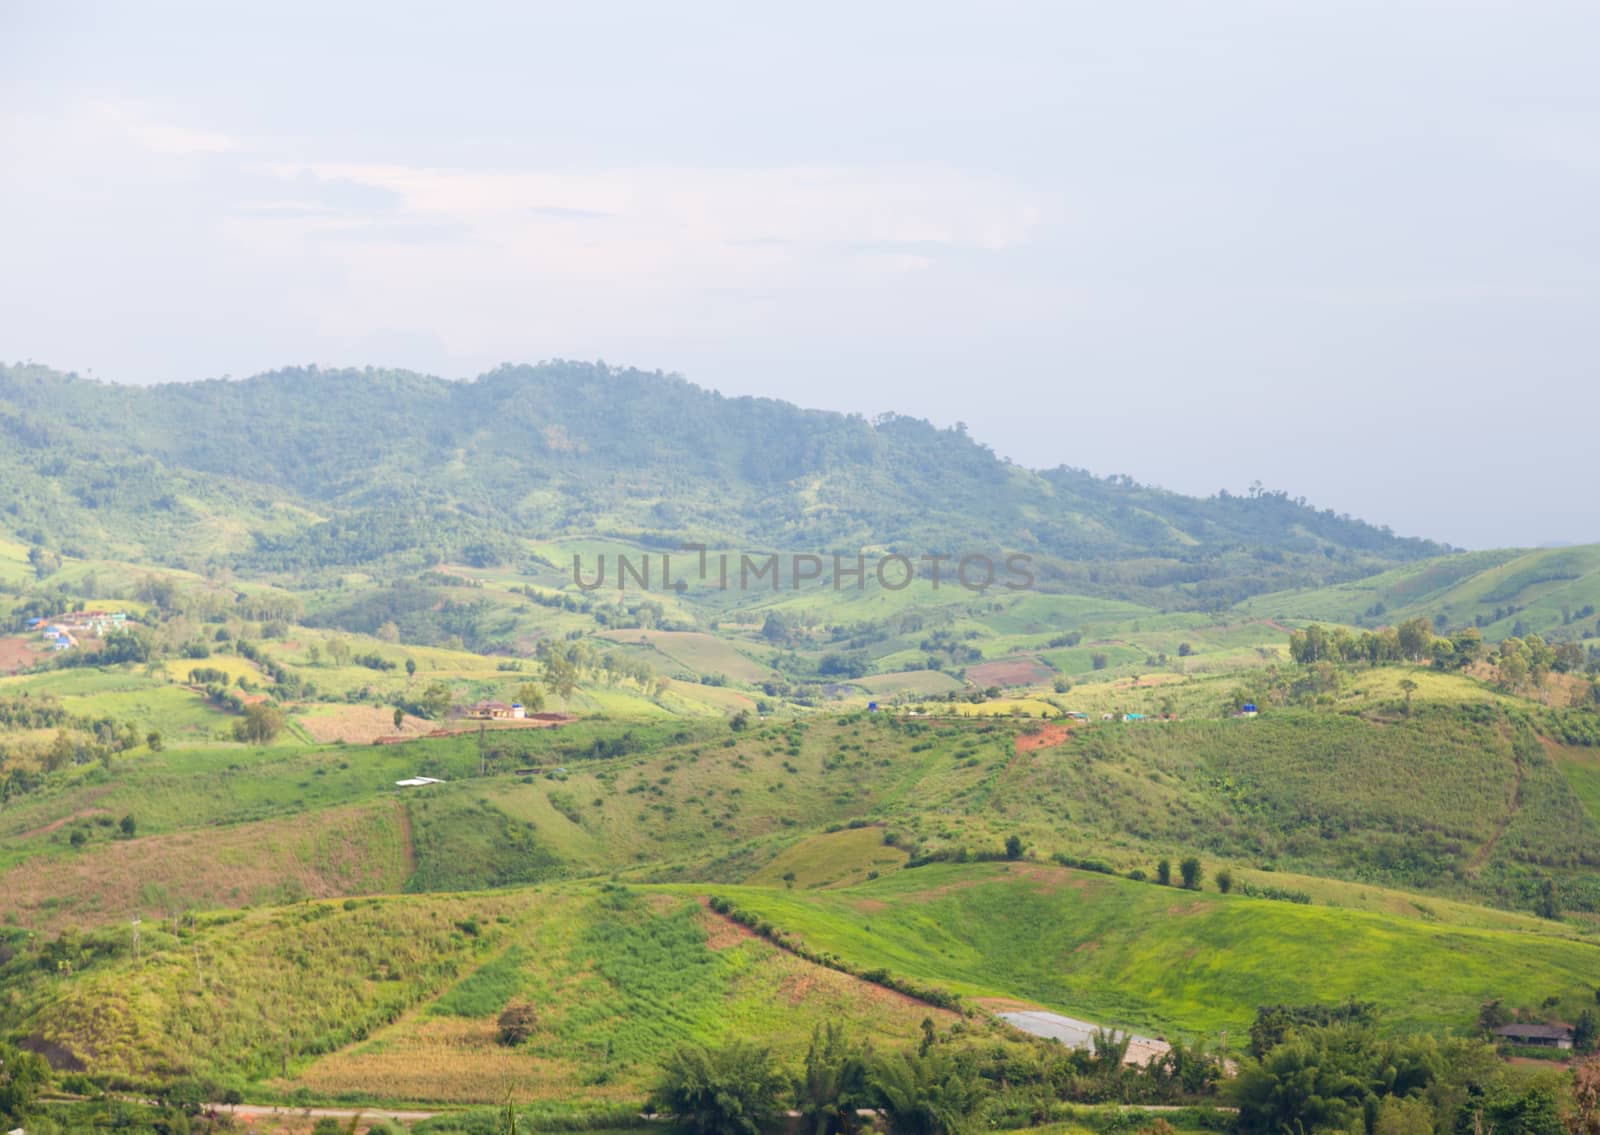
1456 798
1549 591
395 998
1164 960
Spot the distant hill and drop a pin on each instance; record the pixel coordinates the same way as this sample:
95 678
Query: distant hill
302 470
1549 591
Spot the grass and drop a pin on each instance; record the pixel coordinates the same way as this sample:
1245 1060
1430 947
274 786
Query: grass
1539 588
357 849
831 859
1164 960
397 998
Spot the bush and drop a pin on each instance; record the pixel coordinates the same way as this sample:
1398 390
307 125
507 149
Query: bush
1224 880
733 1090
517 1023
1192 873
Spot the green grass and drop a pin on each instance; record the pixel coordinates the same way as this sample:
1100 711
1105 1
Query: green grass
485 991
1540 588
1156 958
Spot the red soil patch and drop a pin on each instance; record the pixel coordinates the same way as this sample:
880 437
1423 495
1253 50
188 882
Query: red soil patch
16 654
722 932
1022 670
1046 738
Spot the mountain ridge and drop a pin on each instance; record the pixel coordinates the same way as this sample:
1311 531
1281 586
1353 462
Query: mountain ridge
562 448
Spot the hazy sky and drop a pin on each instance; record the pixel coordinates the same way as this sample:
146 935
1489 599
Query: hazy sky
1352 250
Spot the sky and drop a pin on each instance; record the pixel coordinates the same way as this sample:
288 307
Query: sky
1349 250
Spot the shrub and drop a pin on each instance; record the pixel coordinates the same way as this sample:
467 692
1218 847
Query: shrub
1192 873
517 1023
734 1090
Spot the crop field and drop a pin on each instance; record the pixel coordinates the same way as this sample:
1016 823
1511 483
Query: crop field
694 652
923 683
337 851
1019 670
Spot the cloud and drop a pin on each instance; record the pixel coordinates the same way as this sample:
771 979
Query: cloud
139 123
686 208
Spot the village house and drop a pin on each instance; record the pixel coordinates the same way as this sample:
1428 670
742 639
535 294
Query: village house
495 711
1537 1036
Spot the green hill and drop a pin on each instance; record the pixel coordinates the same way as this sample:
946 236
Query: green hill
1549 591
305 469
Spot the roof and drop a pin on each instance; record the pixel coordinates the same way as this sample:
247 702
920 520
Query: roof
416 781
1541 1032
491 705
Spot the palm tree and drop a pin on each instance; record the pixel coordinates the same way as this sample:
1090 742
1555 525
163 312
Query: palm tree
833 1088
924 1093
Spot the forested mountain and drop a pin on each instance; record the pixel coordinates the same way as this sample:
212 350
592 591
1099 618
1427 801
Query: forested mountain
304 469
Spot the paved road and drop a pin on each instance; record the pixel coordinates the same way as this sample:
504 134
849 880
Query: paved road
1079 1034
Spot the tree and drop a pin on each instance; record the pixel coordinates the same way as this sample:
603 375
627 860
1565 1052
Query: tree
924 1093
1184 650
1409 687
833 1088
733 1090
128 826
399 718
1492 1015
517 1023
1164 872
560 676
22 1075
531 697
436 700
411 667
1304 1084
153 740
43 561
1224 880
1585 1116
1549 902
260 724
776 629
1416 639
339 651
1013 846
1192 873
1585 1031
